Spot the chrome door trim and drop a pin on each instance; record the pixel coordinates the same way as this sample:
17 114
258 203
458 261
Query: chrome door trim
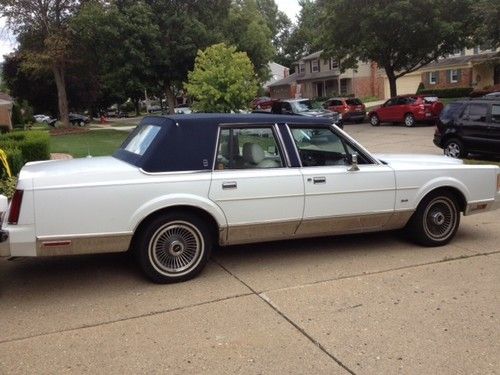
282 145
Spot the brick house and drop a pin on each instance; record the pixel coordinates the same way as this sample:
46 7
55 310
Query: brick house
6 103
317 77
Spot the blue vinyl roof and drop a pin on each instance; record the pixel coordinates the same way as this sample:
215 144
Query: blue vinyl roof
187 142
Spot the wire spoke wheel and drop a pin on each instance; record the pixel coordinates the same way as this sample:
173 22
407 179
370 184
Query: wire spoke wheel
440 219
176 248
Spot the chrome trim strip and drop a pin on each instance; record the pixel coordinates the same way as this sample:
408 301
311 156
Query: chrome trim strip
294 145
173 173
282 145
216 147
83 244
348 192
257 198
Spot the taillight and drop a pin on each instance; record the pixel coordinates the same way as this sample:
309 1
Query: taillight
15 207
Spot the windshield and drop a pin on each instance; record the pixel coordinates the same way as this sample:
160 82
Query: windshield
302 106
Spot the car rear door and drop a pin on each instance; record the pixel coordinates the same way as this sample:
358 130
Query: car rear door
337 199
260 196
475 128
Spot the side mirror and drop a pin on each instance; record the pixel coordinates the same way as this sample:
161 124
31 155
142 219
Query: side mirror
354 163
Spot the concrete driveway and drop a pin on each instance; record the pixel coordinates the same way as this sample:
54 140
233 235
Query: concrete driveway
365 304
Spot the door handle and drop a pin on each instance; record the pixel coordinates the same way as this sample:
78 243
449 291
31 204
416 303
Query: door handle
319 180
229 185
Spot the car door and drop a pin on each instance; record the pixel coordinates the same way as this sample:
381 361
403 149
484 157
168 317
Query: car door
494 129
260 196
473 123
386 112
338 199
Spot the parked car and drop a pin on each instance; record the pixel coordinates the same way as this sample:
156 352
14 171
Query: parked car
352 109
304 107
469 126
263 103
78 120
181 184
44 119
183 110
407 109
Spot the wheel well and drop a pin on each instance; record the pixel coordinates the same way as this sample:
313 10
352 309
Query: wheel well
209 219
459 197
409 113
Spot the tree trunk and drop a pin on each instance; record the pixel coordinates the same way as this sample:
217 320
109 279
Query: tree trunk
62 98
170 99
391 77
136 106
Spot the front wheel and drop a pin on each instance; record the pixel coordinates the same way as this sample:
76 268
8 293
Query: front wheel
435 221
409 120
173 247
374 120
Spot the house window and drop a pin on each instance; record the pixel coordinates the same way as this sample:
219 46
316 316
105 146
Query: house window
454 76
315 66
433 78
302 68
333 64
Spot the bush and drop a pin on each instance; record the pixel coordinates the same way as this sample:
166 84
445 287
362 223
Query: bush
420 88
8 186
17 117
456 92
15 160
32 145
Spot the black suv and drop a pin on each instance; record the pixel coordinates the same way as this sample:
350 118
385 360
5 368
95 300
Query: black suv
469 126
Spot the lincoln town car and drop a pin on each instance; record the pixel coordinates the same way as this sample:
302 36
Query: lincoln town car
180 185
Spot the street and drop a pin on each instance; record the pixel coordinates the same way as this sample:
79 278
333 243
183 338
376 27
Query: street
361 304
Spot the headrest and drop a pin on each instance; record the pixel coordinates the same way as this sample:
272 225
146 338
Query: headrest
253 153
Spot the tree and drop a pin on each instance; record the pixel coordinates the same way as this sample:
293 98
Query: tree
185 26
488 31
401 36
44 23
247 30
277 22
303 38
223 80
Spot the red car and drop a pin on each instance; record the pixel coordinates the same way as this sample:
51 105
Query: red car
352 109
264 103
407 109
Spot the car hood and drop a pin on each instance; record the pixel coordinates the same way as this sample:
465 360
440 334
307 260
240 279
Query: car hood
81 171
415 159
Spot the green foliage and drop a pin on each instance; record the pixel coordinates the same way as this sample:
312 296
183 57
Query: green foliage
33 145
420 87
17 117
488 27
455 92
8 186
401 36
223 80
14 158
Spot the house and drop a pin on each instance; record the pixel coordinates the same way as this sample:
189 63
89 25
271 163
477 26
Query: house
6 103
278 72
317 77
477 68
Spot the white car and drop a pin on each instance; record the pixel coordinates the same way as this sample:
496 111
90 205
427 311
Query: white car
181 184
44 119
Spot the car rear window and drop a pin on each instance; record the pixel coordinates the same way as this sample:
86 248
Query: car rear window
139 142
354 101
430 99
335 102
451 111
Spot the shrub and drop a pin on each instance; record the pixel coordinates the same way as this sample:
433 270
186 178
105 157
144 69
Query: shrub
17 117
15 160
8 186
420 88
32 145
456 92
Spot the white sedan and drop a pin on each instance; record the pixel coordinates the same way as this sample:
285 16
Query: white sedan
181 184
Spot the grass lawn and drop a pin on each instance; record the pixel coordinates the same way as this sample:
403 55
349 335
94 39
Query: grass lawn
95 143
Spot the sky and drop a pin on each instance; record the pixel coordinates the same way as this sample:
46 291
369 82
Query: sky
8 41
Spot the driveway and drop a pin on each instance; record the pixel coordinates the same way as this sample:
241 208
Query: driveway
364 304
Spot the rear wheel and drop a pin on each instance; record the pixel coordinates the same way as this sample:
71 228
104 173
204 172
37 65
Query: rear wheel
454 148
435 221
173 247
409 120
374 120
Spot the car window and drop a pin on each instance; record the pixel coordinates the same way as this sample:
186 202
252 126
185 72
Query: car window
322 147
391 102
286 106
476 112
335 102
451 111
245 148
142 139
303 106
495 113
354 101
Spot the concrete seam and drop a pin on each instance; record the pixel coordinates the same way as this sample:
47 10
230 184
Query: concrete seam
154 313
446 260
268 302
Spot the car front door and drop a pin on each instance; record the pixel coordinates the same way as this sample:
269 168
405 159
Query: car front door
260 196
386 112
338 198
